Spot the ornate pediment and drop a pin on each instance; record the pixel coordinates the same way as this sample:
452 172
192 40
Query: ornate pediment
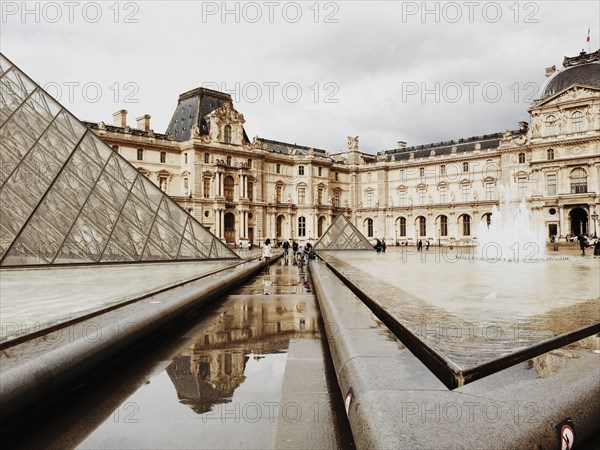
228 114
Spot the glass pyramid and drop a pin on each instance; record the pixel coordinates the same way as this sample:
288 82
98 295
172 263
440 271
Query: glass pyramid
342 235
67 198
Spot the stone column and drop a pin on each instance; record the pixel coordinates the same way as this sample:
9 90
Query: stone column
217 229
222 222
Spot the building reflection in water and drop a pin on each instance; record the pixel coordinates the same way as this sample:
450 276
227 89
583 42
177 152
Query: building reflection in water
208 372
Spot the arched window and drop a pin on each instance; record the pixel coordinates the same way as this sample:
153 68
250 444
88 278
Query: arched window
227 134
577 121
140 154
578 181
229 188
302 226
551 125
422 226
466 224
402 226
402 175
487 217
443 226
465 167
229 160
550 154
369 225
163 157
521 158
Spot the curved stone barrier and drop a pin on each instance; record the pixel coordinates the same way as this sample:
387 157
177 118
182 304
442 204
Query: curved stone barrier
394 401
33 370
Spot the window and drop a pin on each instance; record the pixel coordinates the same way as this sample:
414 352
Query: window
249 162
421 196
443 170
163 157
336 199
301 196
550 125
206 188
443 194
578 181
369 227
521 158
402 195
465 167
337 176
422 226
466 225
162 183
402 226
278 168
302 226
522 186
488 219
402 175
229 160
185 158
550 154
278 190
319 196
551 184
140 154
369 199
186 186
227 134
229 183
466 192
320 171
443 226
489 191
250 190
577 121
206 158
279 226
422 172
300 170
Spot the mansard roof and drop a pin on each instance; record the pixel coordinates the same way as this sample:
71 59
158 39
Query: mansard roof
582 70
289 149
132 131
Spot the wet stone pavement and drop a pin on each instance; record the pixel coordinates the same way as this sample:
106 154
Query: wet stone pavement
254 371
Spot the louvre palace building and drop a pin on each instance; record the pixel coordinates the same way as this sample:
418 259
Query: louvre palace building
246 189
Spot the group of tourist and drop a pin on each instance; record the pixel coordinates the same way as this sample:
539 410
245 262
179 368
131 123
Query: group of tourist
586 242
300 253
380 246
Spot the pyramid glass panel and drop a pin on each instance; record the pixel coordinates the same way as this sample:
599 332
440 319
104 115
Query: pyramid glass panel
342 235
67 198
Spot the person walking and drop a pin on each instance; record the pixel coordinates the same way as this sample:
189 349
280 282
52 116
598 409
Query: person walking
267 250
420 246
286 250
582 242
377 245
427 244
383 245
597 247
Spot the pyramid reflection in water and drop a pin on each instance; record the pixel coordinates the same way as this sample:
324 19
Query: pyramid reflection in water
68 198
342 235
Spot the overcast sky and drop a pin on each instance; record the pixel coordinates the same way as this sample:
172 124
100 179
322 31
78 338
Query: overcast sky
307 73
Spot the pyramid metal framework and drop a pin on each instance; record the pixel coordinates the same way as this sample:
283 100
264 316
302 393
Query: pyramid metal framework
67 198
342 235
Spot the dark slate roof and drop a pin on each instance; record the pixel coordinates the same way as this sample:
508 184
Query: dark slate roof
289 149
585 74
133 131
486 141
192 107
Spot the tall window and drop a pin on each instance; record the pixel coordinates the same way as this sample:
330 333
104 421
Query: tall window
278 190
422 172
402 226
301 196
466 225
229 160
550 153
319 196
551 125
162 183
443 194
443 170
278 168
302 226
421 196
336 199
163 157
369 195
227 134
320 171
402 175
229 188
279 226
206 188
443 226
578 181
337 176
249 162
522 186
250 190
402 195
140 154
206 158
551 184
300 170
489 191
465 167
185 158
466 192
422 226
521 158
577 121
369 227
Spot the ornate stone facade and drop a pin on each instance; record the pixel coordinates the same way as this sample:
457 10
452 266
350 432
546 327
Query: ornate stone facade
249 190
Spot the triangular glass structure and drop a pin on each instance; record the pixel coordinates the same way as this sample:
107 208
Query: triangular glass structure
342 235
67 198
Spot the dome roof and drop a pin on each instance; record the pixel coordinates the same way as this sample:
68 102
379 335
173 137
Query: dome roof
583 69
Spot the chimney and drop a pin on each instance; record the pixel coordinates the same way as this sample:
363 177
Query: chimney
120 118
523 126
401 145
143 122
550 70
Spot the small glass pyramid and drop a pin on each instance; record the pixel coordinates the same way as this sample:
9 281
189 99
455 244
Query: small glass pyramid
342 235
67 198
